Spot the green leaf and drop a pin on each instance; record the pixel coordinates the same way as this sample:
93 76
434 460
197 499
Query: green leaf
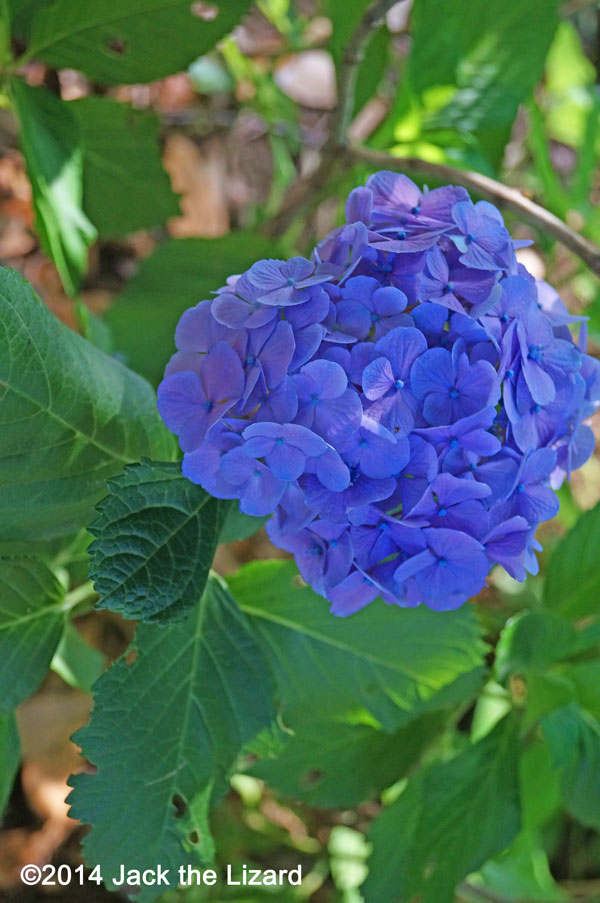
574 740
238 525
10 753
332 764
533 640
134 41
520 873
545 692
392 661
177 717
178 275
156 536
494 58
463 83
52 149
70 418
585 678
125 187
77 663
573 577
451 818
31 622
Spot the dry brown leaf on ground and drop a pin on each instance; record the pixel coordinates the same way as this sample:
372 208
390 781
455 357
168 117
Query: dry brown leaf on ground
199 175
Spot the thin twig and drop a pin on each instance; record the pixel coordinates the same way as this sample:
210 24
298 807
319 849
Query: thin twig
501 195
352 57
303 193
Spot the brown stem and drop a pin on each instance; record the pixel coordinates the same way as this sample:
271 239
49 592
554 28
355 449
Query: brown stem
501 195
303 193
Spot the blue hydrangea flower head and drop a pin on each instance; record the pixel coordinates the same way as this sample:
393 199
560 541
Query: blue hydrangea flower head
404 403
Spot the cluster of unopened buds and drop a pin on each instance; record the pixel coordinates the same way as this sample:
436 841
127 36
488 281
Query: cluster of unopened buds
404 403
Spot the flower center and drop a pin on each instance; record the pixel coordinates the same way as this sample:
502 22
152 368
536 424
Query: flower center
454 393
399 383
536 353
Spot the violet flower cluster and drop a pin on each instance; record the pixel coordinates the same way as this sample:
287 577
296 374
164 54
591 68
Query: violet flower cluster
404 403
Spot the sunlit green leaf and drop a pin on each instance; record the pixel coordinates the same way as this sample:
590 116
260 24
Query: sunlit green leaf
70 418
394 662
51 146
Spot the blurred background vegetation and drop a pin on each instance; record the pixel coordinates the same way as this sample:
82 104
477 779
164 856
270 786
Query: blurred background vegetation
191 177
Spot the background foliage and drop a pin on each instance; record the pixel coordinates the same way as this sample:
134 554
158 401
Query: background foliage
399 755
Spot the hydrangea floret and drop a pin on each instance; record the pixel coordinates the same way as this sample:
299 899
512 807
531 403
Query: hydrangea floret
404 404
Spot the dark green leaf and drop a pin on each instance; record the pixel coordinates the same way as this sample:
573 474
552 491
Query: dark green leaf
156 538
332 764
70 418
134 41
77 663
573 578
125 187
31 623
52 149
178 275
10 751
177 717
392 661
451 818
574 740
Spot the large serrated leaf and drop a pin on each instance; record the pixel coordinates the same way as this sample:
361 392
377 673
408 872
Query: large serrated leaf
333 764
395 662
70 417
31 623
178 275
130 41
572 580
176 719
51 145
573 737
451 818
156 536
125 187
10 749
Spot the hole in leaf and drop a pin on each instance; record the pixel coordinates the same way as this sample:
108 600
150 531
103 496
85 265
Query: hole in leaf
179 805
194 838
131 656
116 45
313 777
205 11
